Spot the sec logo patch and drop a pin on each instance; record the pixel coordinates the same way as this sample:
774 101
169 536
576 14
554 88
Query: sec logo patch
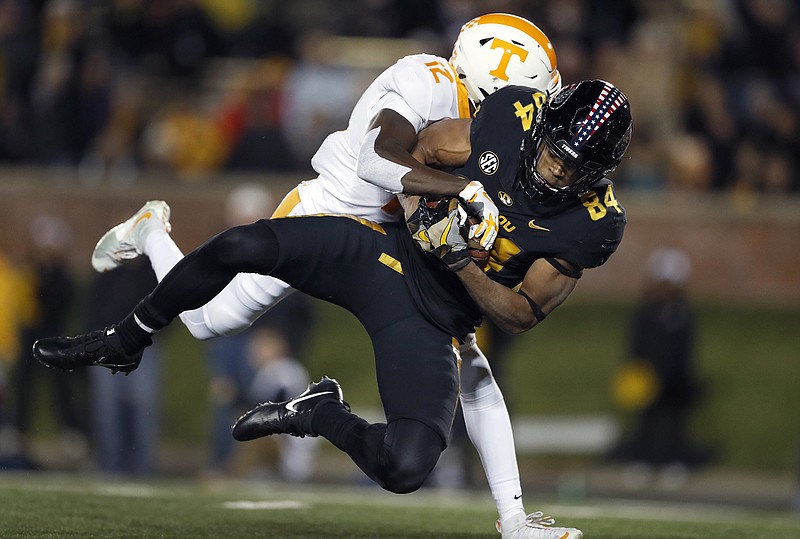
488 163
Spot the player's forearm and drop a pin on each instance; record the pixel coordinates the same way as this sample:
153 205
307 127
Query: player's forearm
421 179
443 144
391 167
509 310
428 181
418 179
385 160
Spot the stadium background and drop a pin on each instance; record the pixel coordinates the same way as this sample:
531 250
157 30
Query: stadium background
108 104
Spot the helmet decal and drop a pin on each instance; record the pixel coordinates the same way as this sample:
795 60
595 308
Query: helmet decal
562 96
499 49
521 24
509 51
608 101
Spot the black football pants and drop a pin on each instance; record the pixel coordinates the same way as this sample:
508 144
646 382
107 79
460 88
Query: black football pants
337 259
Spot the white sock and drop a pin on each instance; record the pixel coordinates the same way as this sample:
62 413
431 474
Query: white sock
162 252
487 421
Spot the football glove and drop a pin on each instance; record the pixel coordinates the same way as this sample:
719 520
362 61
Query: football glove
440 228
479 204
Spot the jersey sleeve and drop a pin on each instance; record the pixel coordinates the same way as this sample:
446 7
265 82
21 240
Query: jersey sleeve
600 237
421 89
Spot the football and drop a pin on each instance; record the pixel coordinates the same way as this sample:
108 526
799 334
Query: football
476 251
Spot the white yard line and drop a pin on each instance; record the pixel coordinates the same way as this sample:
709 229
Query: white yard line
264 505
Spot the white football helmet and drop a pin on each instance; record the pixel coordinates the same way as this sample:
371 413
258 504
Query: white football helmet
498 49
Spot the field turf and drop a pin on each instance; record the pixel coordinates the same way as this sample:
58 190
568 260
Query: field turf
54 506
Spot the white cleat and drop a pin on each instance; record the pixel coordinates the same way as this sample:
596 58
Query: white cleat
126 240
536 526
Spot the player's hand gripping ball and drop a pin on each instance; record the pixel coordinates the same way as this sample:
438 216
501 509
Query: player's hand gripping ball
441 227
478 203
476 250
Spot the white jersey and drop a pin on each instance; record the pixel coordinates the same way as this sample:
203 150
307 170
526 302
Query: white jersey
423 89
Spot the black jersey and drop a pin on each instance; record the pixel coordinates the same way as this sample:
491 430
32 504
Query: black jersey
437 291
583 230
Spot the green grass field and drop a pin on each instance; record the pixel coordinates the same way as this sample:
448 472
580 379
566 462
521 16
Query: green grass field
58 506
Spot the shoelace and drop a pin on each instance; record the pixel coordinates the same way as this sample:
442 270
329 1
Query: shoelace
539 520
536 519
92 343
126 251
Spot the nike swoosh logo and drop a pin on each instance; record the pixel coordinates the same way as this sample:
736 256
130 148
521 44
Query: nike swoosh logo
518 496
534 226
565 536
145 215
291 404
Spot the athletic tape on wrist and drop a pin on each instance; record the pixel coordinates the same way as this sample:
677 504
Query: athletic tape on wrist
375 169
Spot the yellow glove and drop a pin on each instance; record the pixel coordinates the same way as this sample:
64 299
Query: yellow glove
440 229
478 202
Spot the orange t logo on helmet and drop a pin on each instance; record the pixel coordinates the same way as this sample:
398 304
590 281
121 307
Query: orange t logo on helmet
509 50
498 49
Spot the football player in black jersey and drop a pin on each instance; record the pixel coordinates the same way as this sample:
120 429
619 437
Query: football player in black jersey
547 171
558 211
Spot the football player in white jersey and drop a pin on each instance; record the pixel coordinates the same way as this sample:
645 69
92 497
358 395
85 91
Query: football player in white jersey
360 172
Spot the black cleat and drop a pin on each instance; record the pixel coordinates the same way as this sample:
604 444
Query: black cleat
101 348
288 417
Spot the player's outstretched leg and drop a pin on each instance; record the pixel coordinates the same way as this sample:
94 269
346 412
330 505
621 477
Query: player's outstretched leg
536 526
126 240
288 417
101 348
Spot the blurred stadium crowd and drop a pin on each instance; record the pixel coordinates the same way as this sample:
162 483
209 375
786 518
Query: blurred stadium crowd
193 87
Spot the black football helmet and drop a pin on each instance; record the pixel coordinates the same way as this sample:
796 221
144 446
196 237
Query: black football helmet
588 126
